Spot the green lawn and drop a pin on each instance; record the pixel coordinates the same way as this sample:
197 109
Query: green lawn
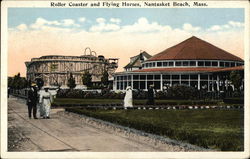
68 101
216 129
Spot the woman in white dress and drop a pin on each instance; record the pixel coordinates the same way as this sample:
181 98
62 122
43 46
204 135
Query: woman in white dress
128 100
45 100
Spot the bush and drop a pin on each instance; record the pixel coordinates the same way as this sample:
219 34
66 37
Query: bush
181 92
234 100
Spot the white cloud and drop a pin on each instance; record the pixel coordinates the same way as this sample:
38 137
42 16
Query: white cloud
104 27
42 23
22 27
189 27
215 28
143 25
229 25
69 22
82 19
100 20
115 20
236 24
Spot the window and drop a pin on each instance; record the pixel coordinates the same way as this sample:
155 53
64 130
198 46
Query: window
142 84
200 63
135 77
153 64
150 65
157 77
207 63
142 77
171 63
227 64
142 65
192 63
214 63
222 64
194 77
159 64
185 77
146 64
157 85
136 85
165 63
149 77
166 77
204 77
178 63
185 63
175 77
232 64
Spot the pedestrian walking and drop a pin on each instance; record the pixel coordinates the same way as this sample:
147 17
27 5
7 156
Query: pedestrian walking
45 101
32 101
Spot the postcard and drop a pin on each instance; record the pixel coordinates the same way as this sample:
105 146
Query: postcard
124 79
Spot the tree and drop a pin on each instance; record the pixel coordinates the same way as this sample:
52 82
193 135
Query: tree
236 79
10 82
105 78
71 82
17 82
87 79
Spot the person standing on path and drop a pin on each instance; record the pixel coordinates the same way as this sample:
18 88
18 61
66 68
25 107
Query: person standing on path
128 100
32 101
46 100
151 94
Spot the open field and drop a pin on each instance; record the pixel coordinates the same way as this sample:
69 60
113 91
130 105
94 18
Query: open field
214 129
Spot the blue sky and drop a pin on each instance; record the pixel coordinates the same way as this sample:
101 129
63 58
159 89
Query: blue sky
173 17
121 33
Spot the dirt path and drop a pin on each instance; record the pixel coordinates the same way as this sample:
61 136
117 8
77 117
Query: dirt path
61 134
70 132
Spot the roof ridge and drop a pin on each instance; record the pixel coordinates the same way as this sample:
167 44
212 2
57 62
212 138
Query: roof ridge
185 43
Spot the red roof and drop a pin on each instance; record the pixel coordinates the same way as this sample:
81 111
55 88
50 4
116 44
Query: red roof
191 69
194 49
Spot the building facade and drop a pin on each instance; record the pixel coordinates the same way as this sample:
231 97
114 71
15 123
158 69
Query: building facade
55 69
193 62
135 62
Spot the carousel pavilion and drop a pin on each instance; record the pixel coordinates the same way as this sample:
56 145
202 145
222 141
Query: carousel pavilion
193 62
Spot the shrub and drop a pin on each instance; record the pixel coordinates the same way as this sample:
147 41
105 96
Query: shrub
234 100
181 92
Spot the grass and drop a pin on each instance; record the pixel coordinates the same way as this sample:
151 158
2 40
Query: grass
68 101
215 129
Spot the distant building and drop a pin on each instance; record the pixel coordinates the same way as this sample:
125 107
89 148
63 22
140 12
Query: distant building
193 62
55 69
136 61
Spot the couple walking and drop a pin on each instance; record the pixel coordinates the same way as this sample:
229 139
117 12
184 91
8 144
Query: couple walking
43 97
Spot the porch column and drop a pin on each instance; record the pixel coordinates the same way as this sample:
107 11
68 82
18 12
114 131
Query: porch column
146 83
199 81
208 81
218 83
226 81
132 83
161 83
212 83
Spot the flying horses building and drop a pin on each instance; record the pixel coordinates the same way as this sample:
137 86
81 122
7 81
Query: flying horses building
55 69
193 62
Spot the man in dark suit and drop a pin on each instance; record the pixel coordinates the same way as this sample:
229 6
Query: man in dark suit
151 100
32 101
